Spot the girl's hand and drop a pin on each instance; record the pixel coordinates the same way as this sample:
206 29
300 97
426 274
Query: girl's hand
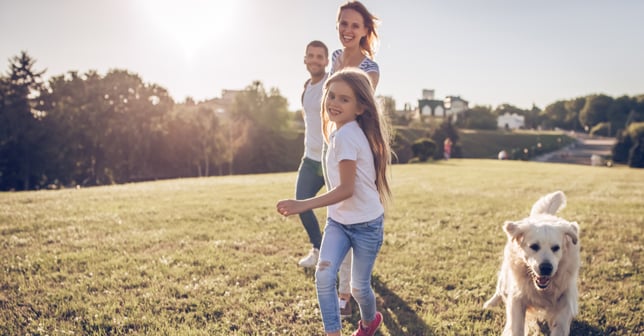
290 207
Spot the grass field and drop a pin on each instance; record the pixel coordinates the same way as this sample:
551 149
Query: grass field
211 256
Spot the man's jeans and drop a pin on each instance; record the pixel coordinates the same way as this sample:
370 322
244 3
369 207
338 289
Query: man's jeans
309 182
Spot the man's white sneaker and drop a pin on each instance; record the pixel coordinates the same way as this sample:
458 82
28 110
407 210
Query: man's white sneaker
345 308
311 259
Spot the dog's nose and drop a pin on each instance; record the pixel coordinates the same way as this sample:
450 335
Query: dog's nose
545 268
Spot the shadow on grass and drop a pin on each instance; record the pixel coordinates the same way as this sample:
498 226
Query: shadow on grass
578 328
310 272
405 321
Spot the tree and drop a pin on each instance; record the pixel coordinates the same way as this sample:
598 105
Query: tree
209 140
423 149
478 117
21 133
555 115
618 113
574 107
595 110
107 129
263 118
65 104
444 131
388 106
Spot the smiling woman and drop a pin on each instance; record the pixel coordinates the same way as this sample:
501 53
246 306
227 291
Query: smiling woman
192 24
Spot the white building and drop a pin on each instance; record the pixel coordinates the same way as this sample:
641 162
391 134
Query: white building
429 106
510 121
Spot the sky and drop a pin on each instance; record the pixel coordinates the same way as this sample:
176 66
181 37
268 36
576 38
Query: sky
488 52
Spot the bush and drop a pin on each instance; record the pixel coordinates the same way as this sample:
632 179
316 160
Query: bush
423 149
622 147
401 147
601 129
636 155
629 146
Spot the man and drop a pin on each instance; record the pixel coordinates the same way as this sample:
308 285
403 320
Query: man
310 178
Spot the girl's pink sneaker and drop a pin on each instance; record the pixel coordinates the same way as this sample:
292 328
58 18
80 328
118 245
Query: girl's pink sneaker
370 330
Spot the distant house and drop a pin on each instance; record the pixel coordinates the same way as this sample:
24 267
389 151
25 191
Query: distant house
431 107
428 106
510 121
454 105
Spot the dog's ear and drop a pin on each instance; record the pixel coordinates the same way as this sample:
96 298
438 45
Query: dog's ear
573 232
514 230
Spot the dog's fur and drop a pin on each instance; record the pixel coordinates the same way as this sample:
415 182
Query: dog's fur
538 277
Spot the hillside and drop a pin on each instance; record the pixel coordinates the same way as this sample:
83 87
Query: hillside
479 144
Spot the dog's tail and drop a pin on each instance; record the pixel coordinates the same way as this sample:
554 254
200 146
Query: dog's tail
549 204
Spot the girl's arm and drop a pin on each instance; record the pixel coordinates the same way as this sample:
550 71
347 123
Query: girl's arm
335 195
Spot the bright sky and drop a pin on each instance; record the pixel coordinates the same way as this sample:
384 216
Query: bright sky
486 51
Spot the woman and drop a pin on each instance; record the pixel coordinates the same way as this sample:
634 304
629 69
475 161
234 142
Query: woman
357 32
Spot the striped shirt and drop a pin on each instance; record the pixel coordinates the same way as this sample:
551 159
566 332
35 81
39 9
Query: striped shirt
367 64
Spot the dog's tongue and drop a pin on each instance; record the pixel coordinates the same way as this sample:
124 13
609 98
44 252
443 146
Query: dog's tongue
543 280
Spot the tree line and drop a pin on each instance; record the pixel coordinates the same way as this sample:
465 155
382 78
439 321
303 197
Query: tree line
598 114
91 129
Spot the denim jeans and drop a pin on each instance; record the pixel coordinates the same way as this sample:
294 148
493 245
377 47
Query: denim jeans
365 239
309 182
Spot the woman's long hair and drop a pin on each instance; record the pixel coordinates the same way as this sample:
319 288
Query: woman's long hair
373 123
369 43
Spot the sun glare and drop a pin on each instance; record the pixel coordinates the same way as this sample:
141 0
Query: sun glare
191 24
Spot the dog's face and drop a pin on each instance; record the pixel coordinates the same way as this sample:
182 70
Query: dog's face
542 241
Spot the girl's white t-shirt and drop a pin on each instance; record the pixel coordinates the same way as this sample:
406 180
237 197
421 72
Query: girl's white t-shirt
350 143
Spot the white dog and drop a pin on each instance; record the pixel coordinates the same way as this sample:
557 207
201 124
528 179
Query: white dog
538 277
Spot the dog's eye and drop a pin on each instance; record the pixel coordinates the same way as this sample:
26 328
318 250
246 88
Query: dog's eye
535 247
555 248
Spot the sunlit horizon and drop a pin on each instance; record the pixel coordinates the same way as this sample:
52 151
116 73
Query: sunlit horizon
487 53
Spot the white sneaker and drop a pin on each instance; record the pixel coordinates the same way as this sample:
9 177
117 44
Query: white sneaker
345 308
310 260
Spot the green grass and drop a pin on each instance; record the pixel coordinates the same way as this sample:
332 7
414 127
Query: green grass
211 256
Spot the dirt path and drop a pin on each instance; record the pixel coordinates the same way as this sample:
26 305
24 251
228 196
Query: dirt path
580 151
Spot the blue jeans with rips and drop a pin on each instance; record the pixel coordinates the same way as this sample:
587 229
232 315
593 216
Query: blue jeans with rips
365 239
309 182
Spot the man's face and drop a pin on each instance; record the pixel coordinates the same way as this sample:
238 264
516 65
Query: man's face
316 60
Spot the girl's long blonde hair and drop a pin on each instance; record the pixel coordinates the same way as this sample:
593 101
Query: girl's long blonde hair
372 122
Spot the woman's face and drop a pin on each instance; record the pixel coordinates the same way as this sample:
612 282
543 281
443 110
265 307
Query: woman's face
351 28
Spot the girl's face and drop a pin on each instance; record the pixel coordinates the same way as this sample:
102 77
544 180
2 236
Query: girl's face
351 28
341 104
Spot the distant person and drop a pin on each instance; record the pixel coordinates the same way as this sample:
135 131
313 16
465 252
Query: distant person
503 155
447 148
309 176
357 32
356 164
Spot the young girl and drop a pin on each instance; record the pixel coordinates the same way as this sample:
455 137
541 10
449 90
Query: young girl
357 32
356 164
